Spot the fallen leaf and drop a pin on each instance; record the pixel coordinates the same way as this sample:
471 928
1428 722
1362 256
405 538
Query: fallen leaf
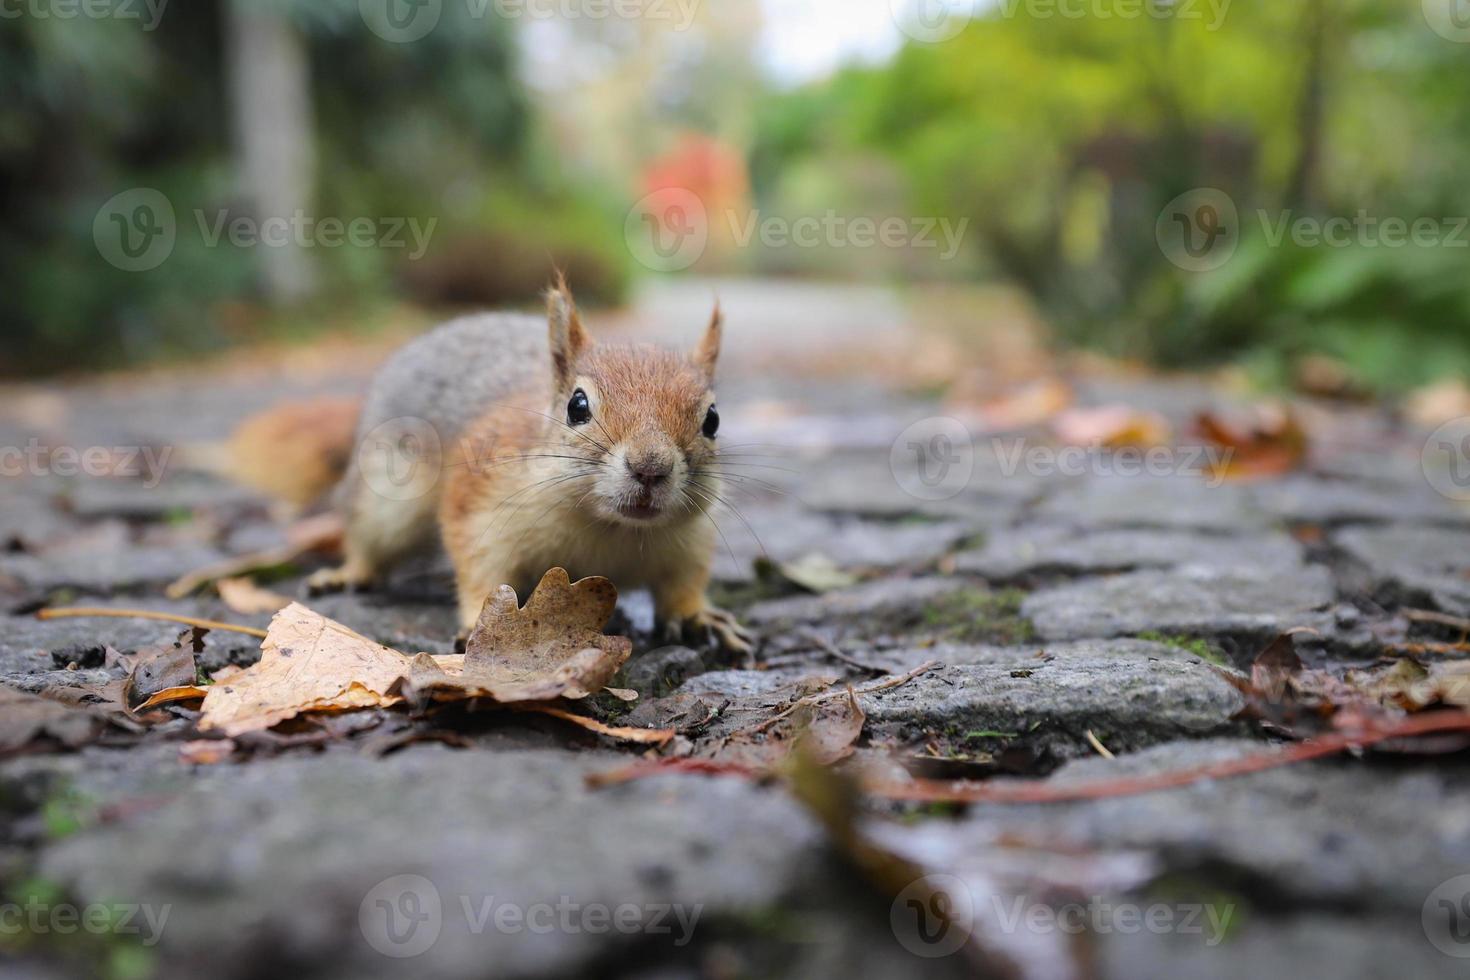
1112 426
164 668
206 751
1032 404
307 663
812 572
1413 687
1275 666
1272 444
243 596
553 648
170 695
1435 404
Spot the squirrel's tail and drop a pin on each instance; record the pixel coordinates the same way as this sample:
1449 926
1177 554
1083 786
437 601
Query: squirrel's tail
295 451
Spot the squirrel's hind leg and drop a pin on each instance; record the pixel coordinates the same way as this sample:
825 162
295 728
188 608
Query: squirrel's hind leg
382 528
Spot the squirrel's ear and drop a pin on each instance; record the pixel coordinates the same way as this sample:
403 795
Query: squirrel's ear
707 354
568 337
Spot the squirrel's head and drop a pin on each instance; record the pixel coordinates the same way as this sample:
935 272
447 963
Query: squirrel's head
643 418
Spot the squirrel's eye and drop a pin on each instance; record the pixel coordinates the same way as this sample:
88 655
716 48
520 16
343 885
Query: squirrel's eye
711 423
579 410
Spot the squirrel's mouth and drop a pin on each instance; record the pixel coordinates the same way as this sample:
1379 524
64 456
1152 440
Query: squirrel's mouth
639 511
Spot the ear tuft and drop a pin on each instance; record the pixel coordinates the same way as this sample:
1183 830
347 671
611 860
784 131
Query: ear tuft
707 354
564 329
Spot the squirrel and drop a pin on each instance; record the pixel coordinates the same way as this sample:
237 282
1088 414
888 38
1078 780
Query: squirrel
527 446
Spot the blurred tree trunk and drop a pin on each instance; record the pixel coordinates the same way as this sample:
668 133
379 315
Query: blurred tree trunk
270 101
1302 190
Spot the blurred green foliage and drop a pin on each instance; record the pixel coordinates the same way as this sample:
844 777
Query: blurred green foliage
438 129
1064 138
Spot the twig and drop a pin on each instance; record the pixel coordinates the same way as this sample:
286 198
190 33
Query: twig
1416 649
813 699
891 682
1439 618
1097 746
209 624
941 791
831 650
938 791
319 533
654 736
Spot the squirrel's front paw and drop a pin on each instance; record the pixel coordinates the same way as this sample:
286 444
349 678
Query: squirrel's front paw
712 625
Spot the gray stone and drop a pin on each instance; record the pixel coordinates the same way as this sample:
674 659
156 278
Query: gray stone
1338 834
108 569
1313 500
784 532
1049 705
657 672
276 859
760 684
26 642
864 484
953 609
870 599
1048 549
1145 501
178 492
1192 601
30 520
1263 943
900 659
1414 564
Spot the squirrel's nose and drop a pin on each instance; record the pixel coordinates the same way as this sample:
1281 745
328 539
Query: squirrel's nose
649 471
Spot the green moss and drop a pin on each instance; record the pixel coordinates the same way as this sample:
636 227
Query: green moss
109 954
738 596
980 616
1231 909
67 811
1193 645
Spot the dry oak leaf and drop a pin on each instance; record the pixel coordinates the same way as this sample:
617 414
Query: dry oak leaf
553 648
1273 444
307 663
